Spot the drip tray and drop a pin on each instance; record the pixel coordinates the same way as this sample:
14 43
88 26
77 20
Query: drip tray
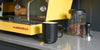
24 21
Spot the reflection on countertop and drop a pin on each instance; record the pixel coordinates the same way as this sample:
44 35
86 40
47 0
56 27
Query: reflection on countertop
67 42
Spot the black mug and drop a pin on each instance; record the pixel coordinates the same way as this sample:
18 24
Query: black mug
50 32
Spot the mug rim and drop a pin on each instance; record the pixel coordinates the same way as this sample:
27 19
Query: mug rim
50 22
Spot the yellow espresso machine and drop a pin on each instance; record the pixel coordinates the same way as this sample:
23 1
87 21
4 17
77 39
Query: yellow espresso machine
56 10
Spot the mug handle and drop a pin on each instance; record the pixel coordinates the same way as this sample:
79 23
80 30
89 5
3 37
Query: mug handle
60 31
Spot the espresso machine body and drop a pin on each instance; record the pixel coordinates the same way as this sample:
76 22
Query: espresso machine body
56 10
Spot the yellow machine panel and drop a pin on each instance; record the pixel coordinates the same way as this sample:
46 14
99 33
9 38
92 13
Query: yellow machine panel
59 9
21 28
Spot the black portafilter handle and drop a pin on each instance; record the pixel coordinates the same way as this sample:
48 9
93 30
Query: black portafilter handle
88 26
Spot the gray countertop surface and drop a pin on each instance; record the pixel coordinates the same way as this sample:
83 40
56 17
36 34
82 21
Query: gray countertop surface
67 42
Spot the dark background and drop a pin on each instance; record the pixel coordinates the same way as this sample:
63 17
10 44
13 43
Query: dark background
5 1
92 8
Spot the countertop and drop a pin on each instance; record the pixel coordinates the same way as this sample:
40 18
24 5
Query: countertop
67 42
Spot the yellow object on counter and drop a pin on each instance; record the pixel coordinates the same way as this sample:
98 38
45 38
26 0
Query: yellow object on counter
21 28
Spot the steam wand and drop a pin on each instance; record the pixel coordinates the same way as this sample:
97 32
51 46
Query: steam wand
28 10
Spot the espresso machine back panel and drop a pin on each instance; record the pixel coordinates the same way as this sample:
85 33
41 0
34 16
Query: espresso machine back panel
37 8
8 8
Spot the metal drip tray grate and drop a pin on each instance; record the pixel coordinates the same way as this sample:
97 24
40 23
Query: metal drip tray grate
24 21
17 19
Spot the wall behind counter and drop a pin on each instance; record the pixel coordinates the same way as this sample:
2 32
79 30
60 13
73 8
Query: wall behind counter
93 13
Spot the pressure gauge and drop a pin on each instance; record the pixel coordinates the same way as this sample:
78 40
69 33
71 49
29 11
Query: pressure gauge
43 8
17 7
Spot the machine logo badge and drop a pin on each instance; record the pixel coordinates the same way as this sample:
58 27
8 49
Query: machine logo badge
20 28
